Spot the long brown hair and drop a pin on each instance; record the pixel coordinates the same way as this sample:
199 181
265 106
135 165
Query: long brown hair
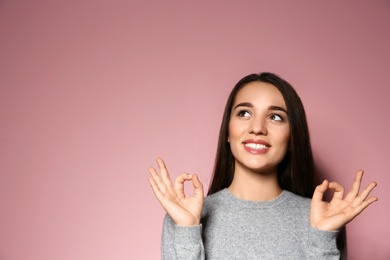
296 171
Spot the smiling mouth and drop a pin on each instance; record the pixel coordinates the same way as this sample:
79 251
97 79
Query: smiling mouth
258 147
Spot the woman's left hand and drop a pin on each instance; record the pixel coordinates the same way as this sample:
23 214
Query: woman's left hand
339 211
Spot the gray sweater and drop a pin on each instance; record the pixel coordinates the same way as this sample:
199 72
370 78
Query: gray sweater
232 228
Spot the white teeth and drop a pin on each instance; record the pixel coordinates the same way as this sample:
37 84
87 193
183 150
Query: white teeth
256 146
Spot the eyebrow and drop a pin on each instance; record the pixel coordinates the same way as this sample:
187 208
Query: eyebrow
247 104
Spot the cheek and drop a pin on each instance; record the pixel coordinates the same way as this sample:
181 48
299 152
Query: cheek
282 136
286 138
233 132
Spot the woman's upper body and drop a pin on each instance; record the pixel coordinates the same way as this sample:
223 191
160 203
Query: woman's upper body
263 157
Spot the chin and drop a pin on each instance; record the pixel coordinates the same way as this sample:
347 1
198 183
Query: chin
260 168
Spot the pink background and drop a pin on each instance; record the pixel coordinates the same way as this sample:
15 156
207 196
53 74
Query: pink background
92 91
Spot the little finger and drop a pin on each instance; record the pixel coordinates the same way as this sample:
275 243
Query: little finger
364 194
156 190
157 180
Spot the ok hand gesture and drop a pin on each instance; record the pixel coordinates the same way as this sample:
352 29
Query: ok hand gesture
185 211
339 211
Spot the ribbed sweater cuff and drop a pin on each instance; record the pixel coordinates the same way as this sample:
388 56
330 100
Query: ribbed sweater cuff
189 235
323 240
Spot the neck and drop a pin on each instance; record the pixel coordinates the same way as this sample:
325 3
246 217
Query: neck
253 186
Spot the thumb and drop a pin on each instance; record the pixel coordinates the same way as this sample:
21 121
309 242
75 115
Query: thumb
318 194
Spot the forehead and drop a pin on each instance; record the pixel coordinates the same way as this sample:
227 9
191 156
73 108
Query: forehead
260 93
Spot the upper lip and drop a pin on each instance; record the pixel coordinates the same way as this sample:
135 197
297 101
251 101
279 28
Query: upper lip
256 141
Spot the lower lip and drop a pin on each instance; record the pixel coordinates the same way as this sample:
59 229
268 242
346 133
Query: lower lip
254 151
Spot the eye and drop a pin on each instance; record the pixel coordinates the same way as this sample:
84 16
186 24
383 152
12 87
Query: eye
244 113
276 117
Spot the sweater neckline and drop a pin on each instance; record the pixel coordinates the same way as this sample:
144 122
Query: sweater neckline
235 201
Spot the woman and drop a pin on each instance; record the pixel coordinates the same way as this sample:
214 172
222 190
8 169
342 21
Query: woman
258 204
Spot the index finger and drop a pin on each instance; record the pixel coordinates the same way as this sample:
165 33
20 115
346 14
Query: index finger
179 184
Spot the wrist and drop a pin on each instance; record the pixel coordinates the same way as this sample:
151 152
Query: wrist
187 223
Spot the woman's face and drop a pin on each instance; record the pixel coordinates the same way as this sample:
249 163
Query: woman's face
259 129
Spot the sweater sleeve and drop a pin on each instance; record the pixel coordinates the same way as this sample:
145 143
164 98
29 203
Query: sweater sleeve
181 243
322 244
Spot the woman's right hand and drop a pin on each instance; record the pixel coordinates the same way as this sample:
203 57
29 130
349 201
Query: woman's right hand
185 211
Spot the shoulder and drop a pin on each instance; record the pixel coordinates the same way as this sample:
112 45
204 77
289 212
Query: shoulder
214 200
217 197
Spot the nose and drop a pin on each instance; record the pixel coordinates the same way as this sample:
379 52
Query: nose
258 127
